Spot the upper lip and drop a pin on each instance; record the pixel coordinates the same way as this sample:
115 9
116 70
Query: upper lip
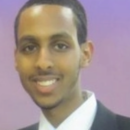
44 78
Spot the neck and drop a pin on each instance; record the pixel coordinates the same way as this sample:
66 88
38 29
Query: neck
58 114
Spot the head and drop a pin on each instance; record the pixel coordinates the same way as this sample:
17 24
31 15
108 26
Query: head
51 48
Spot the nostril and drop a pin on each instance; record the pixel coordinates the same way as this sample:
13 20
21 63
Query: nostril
44 66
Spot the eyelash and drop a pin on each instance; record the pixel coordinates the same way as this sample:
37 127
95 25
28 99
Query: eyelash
58 46
61 44
31 47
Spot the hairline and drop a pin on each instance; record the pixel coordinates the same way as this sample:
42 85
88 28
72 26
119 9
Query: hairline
76 20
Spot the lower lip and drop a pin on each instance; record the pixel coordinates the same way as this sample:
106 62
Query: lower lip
46 89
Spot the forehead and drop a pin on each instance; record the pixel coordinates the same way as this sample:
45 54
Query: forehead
45 19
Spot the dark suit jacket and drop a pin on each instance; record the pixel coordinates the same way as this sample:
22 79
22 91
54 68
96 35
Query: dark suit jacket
104 120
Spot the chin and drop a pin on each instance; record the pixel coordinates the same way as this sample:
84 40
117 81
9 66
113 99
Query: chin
47 105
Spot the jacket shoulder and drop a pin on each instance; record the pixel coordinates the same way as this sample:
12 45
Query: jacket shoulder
31 127
123 122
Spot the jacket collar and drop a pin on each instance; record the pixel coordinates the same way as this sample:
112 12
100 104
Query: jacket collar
104 119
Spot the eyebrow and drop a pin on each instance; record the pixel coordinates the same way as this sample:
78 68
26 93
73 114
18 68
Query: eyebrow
27 38
53 37
61 35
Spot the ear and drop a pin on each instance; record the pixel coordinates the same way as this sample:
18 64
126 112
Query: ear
15 59
86 53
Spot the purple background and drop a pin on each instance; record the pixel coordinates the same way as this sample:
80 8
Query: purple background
108 75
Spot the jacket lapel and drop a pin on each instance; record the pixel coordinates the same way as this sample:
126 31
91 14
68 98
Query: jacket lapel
105 119
32 127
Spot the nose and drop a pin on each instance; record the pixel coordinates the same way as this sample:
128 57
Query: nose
44 60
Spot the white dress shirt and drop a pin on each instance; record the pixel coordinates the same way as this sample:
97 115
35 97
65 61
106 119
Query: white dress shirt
81 119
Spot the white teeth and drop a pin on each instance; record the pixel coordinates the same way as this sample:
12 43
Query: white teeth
46 83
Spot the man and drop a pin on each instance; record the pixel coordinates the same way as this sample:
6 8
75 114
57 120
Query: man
51 49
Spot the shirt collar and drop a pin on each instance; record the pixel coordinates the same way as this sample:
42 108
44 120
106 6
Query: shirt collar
82 117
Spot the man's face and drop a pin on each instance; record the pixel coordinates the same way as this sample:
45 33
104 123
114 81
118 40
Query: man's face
48 56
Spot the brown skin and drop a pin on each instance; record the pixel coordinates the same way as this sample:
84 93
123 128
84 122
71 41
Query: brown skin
48 46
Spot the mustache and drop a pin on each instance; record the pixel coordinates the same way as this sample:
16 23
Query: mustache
45 73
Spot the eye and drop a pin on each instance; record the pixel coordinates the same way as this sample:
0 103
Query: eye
61 46
29 48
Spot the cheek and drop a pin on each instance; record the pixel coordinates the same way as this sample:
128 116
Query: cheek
24 65
69 63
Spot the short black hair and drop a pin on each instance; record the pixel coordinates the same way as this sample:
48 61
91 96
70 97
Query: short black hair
77 8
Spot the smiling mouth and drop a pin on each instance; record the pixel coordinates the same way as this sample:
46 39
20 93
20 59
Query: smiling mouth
47 83
45 86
